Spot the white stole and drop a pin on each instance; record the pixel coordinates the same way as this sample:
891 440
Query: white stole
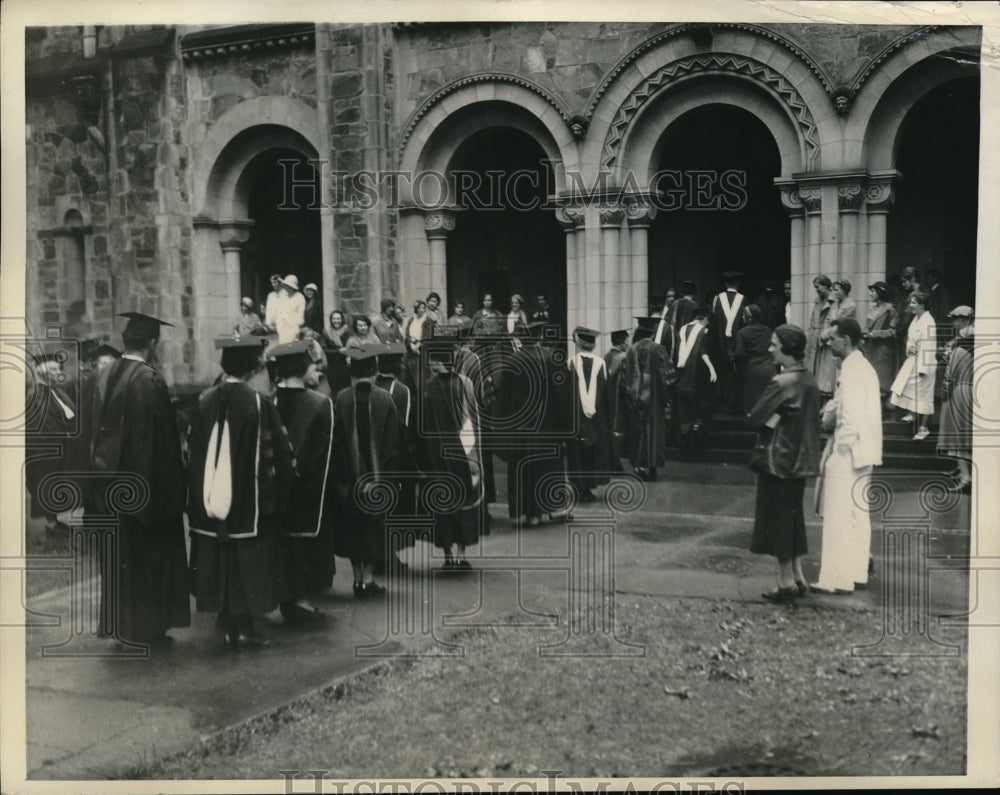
588 392
730 310
688 335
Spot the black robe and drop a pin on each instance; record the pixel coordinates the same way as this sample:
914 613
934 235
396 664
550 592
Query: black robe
235 560
535 454
694 388
312 507
645 403
588 451
470 364
722 346
365 444
129 435
405 460
452 459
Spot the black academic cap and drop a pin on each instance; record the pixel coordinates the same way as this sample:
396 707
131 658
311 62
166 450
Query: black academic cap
702 310
587 334
732 275
389 355
687 286
364 361
296 348
648 323
143 325
222 343
618 337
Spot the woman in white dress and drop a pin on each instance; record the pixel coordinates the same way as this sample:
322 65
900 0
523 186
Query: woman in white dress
913 389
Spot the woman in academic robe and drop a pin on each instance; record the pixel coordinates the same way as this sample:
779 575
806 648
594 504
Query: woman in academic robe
754 364
239 480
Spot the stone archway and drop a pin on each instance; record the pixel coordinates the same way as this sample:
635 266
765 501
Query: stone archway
237 147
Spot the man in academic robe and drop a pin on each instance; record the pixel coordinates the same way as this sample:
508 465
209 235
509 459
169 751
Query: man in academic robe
389 362
535 452
451 454
665 333
613 360
366 431
469 364
588 451
129 430
683 308
696 380
240 477
51 420
308 523
727 319
854 416
645 401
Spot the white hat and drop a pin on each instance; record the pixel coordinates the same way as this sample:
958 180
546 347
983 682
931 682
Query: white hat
246 301
310 286
291 280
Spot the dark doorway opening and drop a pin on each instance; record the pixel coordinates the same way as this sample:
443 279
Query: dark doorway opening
730 216
281 241
507 244
934 221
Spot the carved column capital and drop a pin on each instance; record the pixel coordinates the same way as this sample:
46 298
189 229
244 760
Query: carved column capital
812 199
612 217
438 223
850 197
791 201
880 193
233 234
639 211
570 217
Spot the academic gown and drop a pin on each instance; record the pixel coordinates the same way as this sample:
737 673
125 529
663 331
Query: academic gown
235 553
536 451
469 364
588 451
50 423
365 444
405 455
130 428
723 345
694 388
646 380
452 459
309 521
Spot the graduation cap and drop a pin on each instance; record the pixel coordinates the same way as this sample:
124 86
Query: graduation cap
586 334
731 275
650 323
702 310
364 361
236 341
687 286
296 348
618 337
143 325
390 354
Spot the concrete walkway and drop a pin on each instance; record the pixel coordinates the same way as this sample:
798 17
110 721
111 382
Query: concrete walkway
95 710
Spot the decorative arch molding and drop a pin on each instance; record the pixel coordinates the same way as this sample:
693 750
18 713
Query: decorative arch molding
574 125
713 63
292 114
908 73
696 29
903 41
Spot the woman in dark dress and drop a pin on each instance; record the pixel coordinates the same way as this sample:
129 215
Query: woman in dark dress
754 364
787 452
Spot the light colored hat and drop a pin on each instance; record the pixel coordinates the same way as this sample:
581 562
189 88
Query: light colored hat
310 286
291 280
246 301
962 311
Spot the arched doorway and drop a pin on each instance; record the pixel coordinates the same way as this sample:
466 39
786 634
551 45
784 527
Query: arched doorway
504 242
726 211
285 236
933 223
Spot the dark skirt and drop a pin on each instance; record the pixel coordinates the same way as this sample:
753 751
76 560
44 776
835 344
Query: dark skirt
779 526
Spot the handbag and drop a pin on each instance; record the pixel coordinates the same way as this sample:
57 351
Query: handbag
762 457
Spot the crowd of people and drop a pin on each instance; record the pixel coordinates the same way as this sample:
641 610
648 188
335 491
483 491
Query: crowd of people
314 439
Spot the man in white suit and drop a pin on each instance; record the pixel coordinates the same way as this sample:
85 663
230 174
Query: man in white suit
854 415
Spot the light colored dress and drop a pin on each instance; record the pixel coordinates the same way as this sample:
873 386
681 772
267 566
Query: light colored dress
913 389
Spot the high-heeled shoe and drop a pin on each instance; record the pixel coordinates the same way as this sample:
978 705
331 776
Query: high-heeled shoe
780 594
802 587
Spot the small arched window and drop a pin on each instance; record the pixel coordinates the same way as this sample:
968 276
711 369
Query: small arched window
75 265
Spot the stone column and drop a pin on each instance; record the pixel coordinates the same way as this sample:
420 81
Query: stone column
853 256
437 225
611 289
879 196
812 201
640 213
233 235
571 218
801 280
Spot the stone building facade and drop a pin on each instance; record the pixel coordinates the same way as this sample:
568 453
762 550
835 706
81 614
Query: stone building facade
172 169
